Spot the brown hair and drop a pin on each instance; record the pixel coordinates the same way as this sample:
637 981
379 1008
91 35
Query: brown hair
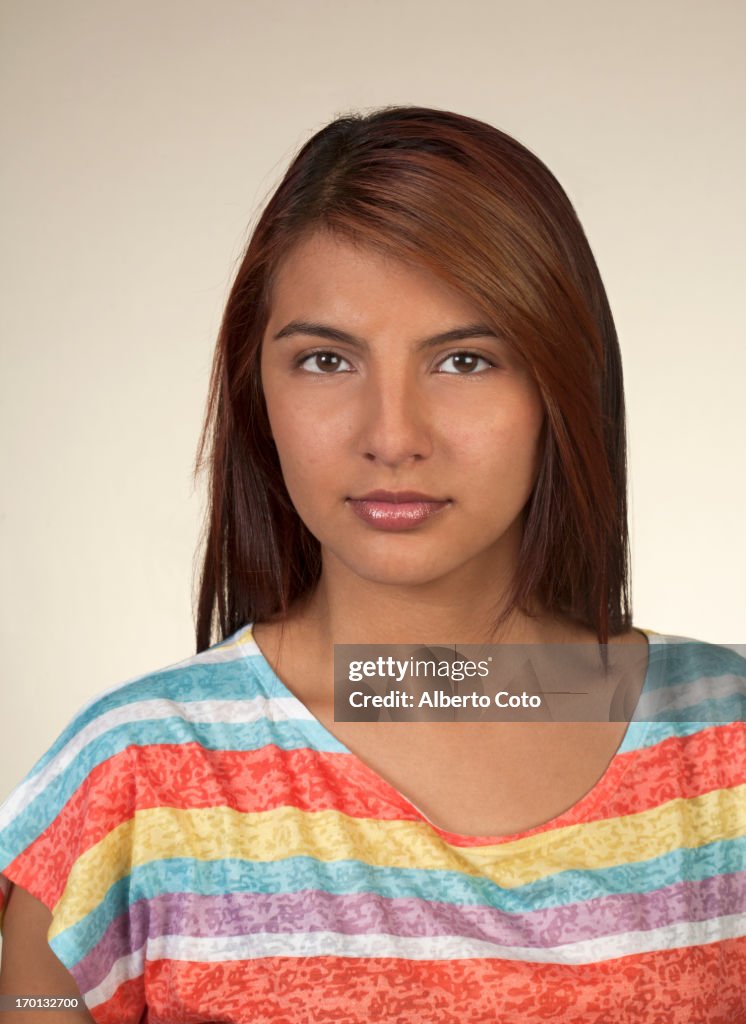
474 206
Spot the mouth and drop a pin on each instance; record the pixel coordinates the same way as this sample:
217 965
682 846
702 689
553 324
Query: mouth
396 510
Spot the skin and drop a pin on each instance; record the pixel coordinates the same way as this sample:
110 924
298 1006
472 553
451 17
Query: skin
29 967
386 410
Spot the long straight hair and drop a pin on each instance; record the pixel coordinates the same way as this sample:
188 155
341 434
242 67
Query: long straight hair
472 205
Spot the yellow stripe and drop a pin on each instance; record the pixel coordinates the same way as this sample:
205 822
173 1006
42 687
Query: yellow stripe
216 832
246 636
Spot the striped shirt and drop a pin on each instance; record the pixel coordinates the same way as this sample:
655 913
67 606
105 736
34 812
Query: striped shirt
211 852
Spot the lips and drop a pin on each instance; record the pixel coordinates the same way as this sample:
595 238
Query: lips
397 497
396 510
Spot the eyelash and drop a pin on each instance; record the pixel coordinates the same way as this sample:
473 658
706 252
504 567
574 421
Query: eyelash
330 352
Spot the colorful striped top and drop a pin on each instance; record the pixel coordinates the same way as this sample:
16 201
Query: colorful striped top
211 852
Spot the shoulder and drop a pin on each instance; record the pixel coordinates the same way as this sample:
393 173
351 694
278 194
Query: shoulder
131 709
94 767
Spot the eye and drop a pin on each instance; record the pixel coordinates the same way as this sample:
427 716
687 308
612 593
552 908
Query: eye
465 363
323 362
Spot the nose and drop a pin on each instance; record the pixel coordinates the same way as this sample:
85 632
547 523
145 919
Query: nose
394 426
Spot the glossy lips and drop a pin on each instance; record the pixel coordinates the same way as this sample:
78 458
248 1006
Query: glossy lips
396 510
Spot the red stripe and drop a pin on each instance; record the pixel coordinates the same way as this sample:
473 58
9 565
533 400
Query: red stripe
705 984
684 767
125 1006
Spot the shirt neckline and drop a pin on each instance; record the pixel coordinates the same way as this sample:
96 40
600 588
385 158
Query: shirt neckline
577 814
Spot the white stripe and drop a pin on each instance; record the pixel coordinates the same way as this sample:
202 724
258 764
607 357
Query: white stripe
227 712
687 695
124 969
202 950
247 947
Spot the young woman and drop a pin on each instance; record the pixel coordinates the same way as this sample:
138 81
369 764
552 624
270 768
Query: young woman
416 431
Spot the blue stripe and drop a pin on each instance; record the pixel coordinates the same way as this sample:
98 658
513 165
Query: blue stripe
675 664
225 680
712 711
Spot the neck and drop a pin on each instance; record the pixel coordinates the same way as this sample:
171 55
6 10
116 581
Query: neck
347 609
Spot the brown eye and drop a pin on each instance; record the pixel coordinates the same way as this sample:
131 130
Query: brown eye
323 362
465 363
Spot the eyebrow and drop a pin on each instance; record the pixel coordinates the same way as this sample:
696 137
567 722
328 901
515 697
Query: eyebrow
335 334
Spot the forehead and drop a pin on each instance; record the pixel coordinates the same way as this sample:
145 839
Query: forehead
355 281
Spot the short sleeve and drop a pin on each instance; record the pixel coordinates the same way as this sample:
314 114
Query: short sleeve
66 837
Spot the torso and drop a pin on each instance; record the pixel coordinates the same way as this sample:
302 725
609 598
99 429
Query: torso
470 778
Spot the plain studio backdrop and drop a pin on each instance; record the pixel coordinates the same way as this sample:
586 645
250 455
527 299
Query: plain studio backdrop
140 140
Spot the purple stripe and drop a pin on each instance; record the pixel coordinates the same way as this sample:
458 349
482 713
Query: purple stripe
367 913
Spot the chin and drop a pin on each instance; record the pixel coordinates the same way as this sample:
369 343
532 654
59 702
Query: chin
403 572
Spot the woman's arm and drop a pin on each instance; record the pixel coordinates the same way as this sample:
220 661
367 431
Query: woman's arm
30 968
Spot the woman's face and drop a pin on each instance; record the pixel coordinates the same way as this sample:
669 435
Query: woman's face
363 396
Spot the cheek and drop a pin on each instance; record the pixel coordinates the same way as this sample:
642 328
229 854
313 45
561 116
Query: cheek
307 441
510 443
523 425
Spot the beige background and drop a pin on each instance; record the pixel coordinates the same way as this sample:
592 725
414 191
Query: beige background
140 138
